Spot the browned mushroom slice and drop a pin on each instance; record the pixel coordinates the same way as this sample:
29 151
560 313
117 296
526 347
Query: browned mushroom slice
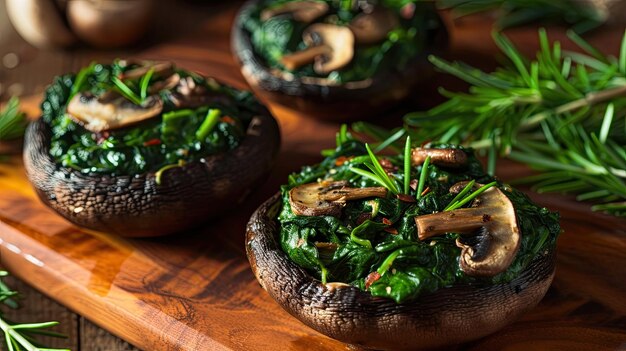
453 158
490 235
327 197
97 116
163 69
167 84
300 11
371 28
331 47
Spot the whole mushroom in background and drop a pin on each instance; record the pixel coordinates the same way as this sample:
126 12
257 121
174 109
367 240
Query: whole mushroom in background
100 23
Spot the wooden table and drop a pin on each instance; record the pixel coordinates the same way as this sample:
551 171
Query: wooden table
195 291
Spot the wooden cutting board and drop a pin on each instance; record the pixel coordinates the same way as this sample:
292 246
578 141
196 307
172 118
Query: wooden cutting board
195 291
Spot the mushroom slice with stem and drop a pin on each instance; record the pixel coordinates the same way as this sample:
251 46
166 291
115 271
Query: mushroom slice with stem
300 11
371 28
453 158
327 197
331 47
490 237
97 115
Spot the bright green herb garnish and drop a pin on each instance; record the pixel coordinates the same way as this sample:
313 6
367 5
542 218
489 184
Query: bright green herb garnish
12 121
373 244
18 337
561 113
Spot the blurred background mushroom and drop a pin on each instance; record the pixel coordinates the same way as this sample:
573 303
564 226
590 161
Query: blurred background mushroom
101 23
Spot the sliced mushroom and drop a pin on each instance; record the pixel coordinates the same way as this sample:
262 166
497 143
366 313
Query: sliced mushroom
300 11
453 158
371 28
327 197
331 47
490 235
97 115
163 69
166 84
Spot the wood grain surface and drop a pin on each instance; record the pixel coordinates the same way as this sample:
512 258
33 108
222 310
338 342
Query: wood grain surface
195 290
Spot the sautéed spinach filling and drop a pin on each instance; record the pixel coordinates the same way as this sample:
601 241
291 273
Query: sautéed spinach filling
196 117
384 36
373 243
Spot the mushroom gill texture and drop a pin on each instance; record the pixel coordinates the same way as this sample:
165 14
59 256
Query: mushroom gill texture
490 234
136 206
446 317
328 198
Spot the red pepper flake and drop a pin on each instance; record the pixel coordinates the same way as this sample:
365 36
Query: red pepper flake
386 221
406 198
391 230
363 217
152 142
101 137
426 191
407 11
228 119
371 279
341 160
388 166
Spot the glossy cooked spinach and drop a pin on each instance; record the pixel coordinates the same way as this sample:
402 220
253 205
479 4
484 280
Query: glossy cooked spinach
173 137
328 247
281 35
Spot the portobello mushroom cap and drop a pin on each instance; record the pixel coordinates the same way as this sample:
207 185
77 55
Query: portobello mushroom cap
448 316
135 206
322 99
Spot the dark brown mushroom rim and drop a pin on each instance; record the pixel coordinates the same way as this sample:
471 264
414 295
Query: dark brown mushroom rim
448 316
149 203
135 205
385 86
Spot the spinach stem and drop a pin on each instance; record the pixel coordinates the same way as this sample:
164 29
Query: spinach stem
210 121
167 117
384 267
159 174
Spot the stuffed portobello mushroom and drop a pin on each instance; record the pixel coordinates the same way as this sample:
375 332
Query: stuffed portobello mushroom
411 251
145 148
342 58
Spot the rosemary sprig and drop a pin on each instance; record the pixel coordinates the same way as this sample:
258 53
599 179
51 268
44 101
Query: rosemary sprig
561 113
126 91
144 83
581 15
12 121
423 175
19 337
407 165
463 200
377 173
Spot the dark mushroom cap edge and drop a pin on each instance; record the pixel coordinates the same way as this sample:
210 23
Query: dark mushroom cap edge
135 206
448 316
